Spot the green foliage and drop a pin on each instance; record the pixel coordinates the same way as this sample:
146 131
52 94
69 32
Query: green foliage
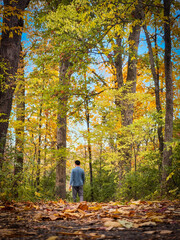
104 186
84 33
139 185
47 188
175 171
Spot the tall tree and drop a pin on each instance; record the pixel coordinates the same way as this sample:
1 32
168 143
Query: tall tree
123 102
20 117
10 48
167 153
87 114
155 75
61 129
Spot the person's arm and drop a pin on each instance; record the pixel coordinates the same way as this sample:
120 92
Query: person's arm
83 177
71 181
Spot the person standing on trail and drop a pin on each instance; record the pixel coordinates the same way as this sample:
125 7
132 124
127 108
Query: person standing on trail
77 181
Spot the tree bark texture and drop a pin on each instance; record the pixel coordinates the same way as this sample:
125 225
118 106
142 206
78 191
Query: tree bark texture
122 101
124 104
167 161
89 146
61 131
128 106
10 48
20 116
39 148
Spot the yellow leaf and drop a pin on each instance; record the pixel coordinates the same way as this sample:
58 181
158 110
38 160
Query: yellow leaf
170 176
10 35
19 218
37 194
97 207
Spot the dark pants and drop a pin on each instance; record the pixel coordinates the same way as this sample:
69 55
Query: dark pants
77 190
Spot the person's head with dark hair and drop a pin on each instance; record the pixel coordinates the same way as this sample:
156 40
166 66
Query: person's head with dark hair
77 162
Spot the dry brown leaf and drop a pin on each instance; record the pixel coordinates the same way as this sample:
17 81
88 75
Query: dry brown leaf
27 208
81 211
38 216
53 217
165 232
65 227
123 212
157 219
106 219
90 214
70 210
150 232
95 235
6 232
71 234
112 224
72 215
147 224
52 238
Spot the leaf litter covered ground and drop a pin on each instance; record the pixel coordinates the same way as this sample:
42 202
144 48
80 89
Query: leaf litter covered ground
55 220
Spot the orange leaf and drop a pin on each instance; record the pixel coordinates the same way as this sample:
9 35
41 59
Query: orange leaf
83 206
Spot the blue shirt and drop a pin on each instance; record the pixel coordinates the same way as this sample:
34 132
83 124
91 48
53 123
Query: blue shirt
77 177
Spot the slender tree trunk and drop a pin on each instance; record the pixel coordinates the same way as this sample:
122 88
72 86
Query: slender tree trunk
39 149
45 147
89 146
167 153
61 131
40 135
118 99
20 116
10 48
100 160
156 84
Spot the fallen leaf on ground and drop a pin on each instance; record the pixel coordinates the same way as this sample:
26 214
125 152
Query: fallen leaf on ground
165 232
125 223
150 232
112 224
6 232
52 238
83 206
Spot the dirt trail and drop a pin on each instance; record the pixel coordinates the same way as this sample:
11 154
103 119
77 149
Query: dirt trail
113 220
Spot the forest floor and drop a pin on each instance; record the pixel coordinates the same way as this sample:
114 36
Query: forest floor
55 220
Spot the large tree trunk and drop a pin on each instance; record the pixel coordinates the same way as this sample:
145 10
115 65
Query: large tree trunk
167 161
20 116
128 106
61 131
124 104
10 48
